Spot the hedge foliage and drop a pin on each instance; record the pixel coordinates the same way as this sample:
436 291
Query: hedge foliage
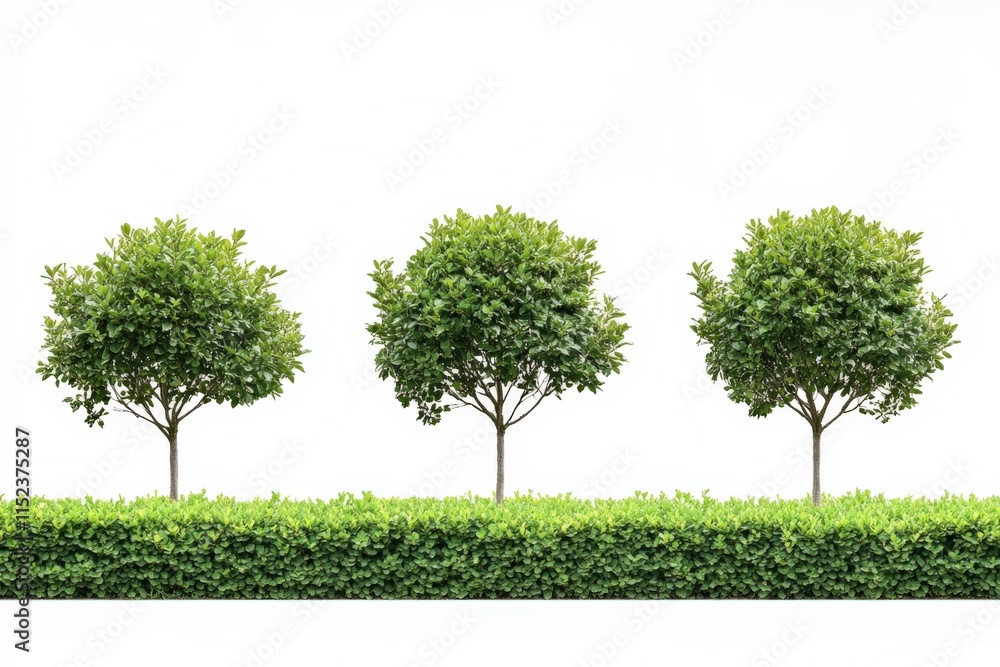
858 546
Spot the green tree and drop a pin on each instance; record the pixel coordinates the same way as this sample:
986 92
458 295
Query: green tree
165 322
825 314
495 313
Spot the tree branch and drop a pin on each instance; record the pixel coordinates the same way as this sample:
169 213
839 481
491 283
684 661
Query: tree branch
798 411
803 405
485 391
179 405
128 408
826 404
542 392
478 406
511 421
204 399
165 402
844 409
462 401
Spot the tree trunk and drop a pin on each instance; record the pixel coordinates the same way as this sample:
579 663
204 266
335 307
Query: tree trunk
499 493
173 462
816 493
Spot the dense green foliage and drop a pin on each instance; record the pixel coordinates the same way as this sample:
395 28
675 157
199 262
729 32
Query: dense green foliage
496 313
166 321
825 314
502 298
858 546
819 304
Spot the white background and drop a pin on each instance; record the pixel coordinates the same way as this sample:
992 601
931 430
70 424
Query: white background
651 114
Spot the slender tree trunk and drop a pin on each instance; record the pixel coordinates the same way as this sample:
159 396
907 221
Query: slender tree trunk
499 493
817 432
173 462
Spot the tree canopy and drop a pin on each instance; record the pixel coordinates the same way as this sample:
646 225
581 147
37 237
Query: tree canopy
168 320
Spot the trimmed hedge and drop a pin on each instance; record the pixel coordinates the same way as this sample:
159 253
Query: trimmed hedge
858 546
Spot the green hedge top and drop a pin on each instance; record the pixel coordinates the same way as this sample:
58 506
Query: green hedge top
860 511
858 545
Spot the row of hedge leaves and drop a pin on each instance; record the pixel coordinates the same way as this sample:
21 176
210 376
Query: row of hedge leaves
857 546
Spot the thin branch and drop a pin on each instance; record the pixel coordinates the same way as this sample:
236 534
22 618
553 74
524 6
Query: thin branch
541 391
148 409
203 401
800 412
525 394
813 417
128 408
507 392
462 401
498 386
520 401
483 408
811 401
179 405
844 410
486 392
804 407
527 374
512 421
165 401
206 397
478 405
826 404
